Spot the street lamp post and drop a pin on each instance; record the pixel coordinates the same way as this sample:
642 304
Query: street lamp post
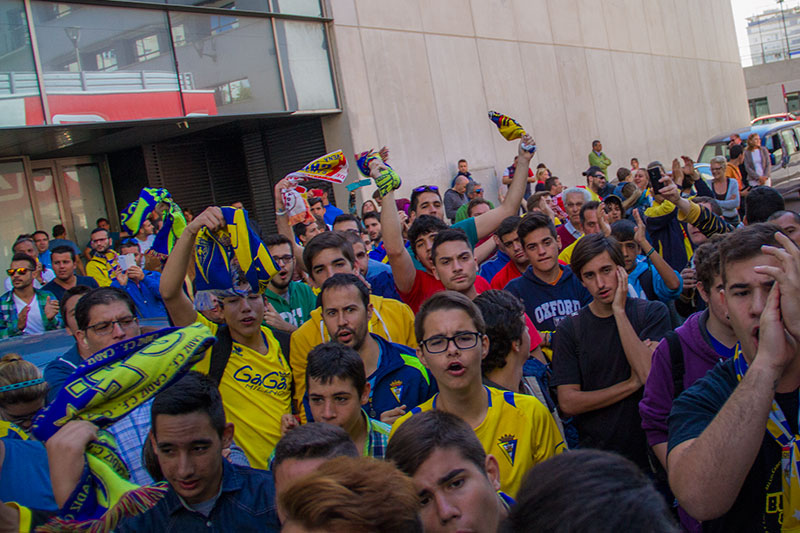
785 33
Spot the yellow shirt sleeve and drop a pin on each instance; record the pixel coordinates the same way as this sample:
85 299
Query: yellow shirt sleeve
204 365
545 434
94 269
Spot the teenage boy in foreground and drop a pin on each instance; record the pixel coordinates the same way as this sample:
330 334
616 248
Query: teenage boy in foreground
453 343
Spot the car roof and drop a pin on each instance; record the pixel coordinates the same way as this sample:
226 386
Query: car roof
761 129
774 115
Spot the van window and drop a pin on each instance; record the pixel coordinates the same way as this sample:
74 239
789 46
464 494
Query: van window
789 141
775 148
711 150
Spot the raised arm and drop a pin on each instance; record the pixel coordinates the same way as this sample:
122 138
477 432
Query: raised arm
400 260
282 221
178 305
489 221
670 277
636 351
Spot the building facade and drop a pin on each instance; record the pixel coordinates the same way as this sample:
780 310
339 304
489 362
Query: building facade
774 35
216 100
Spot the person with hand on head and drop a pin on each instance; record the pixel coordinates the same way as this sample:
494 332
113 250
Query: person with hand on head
140 284
64 262
732 452
25 310
453 343
600 358
42 275
789 222
253 373
458 483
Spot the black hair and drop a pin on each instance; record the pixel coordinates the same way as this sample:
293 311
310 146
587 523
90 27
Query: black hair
101 296
445 301
588 490
778 214
508 225
550 182
715 208
101 219
43 232
761 203
623 230
423 225
745 243
130 243
325 241
194 392
335 360
24 257
422 434
77 290
371 214
314 200
590 246
59 229
63 249
315 440
275 239
735 151
502 312
414 202
299 229
448 235
345 217
588 206
706 261
345 280
533 221
476 202
95 230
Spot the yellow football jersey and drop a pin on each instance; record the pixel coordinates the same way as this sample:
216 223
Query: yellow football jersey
518 430
256 391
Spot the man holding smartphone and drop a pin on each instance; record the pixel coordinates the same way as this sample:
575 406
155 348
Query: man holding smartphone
140 284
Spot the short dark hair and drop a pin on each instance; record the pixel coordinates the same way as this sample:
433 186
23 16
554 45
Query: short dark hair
590 246
589 490
274 239
18 256
344 280
335 360
130 243
193 393
534 199
778 214
533 221
43 232
735 151
64 249
476 202
422 434
462 160
508 225
715 208
550 182
762 202
445 301
634 159
347 217
95 230
100 296
314 200
423 225
59 229
448 235
588 206
371 214
623 173
77 290
101 219
414 202
325 241
706 261
746 242
623 230
315 440
299 229
502 312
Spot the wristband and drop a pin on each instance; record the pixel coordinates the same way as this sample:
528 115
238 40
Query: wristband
280 213
648 254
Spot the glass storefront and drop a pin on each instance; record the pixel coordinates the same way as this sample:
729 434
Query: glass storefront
20 102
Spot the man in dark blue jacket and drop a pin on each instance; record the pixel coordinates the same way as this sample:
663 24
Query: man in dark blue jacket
397 378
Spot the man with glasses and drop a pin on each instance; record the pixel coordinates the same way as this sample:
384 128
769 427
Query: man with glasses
572 230
517 428
596 183
104 263
289 303
41 275
474 191
25 310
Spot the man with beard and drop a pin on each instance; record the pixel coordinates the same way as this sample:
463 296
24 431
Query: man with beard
397 379
103 265
289 303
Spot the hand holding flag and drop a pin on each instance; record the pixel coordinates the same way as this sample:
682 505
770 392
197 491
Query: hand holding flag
510 129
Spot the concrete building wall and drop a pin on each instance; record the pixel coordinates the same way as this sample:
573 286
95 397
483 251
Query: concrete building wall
644 77
764 81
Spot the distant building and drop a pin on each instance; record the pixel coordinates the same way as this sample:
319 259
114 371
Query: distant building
774 35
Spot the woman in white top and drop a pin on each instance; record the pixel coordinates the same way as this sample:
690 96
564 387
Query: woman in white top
756 161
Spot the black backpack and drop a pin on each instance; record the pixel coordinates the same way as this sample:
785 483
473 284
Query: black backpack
221 351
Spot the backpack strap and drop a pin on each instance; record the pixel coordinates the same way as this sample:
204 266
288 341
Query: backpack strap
676 359
220 353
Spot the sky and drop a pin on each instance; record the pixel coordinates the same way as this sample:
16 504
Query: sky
745 8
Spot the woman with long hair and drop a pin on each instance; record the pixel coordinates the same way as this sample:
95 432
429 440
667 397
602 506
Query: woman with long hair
756 161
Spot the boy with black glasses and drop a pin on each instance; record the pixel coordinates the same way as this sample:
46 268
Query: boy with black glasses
518 429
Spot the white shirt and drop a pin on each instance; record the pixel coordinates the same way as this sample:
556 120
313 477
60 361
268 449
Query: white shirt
757 162
34 324
146 244
48 276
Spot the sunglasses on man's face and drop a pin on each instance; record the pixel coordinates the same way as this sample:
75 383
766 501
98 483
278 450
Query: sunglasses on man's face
21 271
427 188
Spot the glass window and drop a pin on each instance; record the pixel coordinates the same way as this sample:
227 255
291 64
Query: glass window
44 191
16 214
20 103
789 141
85 192
758 107
793 102
106 63
310 8
711 150
306 65
228 65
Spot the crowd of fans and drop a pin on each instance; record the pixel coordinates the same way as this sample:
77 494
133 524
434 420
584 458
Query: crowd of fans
616 356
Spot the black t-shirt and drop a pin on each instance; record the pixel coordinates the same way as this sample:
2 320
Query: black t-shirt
587 351
758 506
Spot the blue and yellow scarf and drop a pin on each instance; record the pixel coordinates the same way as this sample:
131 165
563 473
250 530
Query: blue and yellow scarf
106 387
173 220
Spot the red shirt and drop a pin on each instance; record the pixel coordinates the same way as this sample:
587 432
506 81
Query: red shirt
426 285
536 339
504 275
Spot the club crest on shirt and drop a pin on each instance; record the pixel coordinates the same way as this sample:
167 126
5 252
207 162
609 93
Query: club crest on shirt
508 445
396 387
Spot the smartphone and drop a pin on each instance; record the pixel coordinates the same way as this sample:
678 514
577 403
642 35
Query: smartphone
655 179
